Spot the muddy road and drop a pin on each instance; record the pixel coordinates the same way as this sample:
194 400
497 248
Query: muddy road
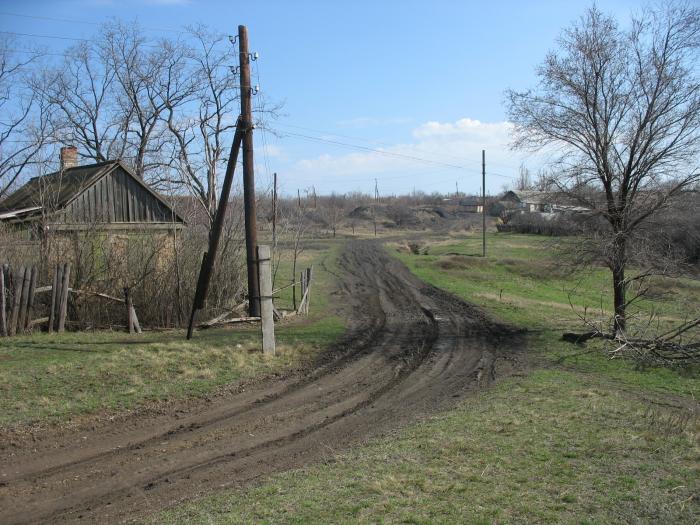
411 350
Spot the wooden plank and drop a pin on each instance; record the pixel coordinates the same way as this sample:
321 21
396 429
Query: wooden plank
266 306
63 305
3 312
17 292
96 294
54 286
56 298
134 317
110 198
125 198
30 303
24 301
302 278
309 277
129 310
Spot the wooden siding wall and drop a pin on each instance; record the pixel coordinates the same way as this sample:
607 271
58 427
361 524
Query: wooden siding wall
116 198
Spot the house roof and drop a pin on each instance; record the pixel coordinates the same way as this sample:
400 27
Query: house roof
528 196
55 191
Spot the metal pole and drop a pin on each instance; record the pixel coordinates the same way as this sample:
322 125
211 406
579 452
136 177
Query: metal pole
483 201
251 227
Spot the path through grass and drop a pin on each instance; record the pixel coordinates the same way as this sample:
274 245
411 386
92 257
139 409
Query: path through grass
579 439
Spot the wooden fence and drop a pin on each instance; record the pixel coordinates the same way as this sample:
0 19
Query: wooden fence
18 291
18 300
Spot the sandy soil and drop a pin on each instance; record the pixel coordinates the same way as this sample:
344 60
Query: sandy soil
411 350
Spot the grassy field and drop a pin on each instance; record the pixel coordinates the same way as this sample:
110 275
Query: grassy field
578 439
48 378
523 282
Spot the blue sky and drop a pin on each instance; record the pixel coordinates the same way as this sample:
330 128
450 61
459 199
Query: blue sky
417 78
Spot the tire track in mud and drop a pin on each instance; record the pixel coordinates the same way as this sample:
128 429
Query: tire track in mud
411 349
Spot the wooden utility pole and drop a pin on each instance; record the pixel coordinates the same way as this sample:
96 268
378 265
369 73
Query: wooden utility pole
274 211
209 257
483 201
251 227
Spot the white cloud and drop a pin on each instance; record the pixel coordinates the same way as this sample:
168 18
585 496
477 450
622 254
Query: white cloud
454 149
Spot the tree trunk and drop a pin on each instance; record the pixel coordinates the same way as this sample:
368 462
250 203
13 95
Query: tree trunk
619 287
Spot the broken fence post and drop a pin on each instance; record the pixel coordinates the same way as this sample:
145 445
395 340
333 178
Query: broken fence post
3 309
24 299
309 277
266 307
129 310
17 293
63 305
30 302
54 296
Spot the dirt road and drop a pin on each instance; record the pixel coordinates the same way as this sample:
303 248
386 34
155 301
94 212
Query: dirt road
411 350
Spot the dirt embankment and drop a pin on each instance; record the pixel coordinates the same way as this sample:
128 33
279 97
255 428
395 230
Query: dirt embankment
411 350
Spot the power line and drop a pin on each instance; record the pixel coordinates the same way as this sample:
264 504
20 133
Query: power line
373 150
370 141
386 153
86 22
34 35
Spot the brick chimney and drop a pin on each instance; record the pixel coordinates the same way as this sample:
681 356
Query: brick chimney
69 157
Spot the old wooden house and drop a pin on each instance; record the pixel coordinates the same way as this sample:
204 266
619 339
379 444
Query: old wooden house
106 197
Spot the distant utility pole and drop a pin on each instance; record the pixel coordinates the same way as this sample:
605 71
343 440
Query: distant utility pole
298 198
251 227
457 189
483 201
314 190
374 211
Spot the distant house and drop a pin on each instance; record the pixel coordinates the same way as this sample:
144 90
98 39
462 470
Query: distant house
106 196
529 201
471 204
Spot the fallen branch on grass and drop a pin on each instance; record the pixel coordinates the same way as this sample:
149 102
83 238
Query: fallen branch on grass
666 349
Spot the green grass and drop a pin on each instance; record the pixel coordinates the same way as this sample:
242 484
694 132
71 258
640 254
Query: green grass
52 377
553 447
523 282
579 439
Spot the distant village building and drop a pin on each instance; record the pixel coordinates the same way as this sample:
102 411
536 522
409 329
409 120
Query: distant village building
529 201
471 204
106 196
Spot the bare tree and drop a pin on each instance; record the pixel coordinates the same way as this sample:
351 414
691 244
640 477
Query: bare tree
24 127
332 211
623 109
149 79
524 181
82 93
202 129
